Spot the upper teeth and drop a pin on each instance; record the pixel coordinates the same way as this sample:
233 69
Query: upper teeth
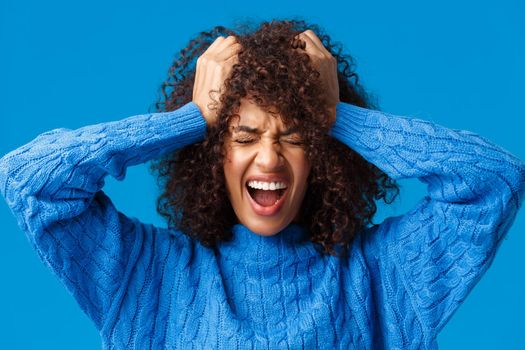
261 185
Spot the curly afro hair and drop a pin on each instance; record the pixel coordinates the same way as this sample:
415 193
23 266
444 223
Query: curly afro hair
278 76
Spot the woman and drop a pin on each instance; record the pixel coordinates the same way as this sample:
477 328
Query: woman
269 187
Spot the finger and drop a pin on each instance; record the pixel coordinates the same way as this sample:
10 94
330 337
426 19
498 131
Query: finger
229 51
215 43
310 34
298 41
230 40
196 81
232 61
311 47
314 38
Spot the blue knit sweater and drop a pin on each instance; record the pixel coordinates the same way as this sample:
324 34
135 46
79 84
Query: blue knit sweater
147 287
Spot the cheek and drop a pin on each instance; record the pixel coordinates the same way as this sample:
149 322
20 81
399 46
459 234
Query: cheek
229 173
234 167
304 175
302 167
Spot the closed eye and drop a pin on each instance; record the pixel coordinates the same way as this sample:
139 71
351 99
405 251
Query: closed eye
294 142
251 140
244 141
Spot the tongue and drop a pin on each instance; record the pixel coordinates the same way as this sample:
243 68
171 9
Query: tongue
265 198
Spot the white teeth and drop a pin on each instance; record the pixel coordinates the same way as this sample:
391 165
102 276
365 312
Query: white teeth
260 185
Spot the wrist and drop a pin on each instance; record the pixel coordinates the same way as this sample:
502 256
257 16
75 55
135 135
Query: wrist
332 114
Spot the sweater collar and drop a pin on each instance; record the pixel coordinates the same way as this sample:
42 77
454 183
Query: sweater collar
290 244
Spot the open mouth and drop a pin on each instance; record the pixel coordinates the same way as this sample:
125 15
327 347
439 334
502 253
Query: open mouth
266 198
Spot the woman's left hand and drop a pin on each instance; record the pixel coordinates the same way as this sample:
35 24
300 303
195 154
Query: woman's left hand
326 65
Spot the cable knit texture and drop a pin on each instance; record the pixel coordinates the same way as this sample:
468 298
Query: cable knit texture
146 287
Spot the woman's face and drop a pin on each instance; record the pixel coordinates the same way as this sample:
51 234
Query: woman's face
266 170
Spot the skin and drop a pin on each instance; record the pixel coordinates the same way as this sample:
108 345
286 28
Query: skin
326 65
272 151
213 67
268 151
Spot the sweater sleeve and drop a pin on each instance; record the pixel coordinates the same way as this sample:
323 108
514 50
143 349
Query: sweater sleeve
53 187
438 250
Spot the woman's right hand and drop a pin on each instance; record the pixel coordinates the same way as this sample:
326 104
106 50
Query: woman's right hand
213 67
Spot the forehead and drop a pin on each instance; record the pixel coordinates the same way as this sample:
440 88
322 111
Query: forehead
250 114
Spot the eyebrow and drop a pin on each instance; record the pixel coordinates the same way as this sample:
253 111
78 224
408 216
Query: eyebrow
250 130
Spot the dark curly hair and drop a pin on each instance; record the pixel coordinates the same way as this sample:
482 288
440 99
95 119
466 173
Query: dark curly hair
279 78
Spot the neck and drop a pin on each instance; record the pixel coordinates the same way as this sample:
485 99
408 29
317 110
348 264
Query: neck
248 248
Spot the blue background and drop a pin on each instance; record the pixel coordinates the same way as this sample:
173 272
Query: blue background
458 64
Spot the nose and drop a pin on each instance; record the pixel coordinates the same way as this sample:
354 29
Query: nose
269 157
